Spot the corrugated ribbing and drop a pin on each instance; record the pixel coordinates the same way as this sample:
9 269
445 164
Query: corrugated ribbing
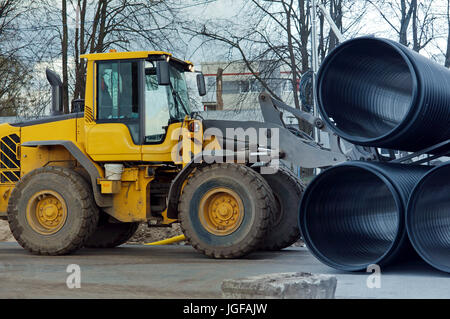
377 92
353 215
428 218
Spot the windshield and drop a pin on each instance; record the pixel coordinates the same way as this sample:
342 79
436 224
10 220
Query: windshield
180 92
164 104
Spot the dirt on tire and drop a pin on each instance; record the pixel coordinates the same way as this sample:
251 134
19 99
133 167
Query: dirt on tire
288 190
82 216
253 190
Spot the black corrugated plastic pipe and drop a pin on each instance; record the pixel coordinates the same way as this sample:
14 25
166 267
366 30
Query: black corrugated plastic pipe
353 215
428 218
377 92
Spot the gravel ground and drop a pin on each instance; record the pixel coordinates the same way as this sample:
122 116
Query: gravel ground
146 234
143 235
5 234
150 234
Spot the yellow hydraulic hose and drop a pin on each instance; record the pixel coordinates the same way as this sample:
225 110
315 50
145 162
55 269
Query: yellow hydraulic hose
168 241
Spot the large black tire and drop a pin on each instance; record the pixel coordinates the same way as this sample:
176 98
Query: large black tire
110 235
257 202
81 211
288 190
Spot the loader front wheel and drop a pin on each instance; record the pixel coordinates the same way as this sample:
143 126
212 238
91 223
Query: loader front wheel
51 211
288 190
110 235
224 210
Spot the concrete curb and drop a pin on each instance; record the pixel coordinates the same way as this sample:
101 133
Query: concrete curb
293 285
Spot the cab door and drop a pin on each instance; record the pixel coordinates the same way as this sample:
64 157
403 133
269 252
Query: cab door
162 123
116 134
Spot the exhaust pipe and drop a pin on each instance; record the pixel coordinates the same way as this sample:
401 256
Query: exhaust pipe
428 218
377 92
57 97
352 215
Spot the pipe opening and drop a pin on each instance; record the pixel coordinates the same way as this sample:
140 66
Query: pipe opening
428 219
366 89
351 218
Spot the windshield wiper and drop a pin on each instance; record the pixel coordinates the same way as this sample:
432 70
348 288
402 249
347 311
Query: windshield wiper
176 95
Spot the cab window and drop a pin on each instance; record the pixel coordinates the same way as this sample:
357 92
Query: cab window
118 96
164 104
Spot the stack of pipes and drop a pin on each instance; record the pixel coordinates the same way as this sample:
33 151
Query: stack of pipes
379 93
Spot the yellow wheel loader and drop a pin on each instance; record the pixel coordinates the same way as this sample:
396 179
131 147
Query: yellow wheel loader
133 152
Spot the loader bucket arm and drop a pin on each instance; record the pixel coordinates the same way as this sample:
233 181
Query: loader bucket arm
291 147
272 110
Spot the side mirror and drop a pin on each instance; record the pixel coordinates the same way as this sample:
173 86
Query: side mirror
163 72
77 105
201 84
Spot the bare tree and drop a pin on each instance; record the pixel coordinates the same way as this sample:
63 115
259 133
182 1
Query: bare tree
99 26
406 13
219 88
409 18
64 49
275 30
79 47
120 24
348 17
8 14
404 7
13 73
336 14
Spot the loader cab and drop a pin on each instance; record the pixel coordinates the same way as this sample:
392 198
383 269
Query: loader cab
138 100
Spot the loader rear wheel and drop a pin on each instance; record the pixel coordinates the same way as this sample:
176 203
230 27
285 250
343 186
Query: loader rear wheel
224 210
110 235
288 190
51 211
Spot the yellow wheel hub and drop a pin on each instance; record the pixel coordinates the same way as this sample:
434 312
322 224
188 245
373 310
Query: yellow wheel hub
221 211
46 212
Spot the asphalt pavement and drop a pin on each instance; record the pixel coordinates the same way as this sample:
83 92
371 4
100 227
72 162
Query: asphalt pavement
136 271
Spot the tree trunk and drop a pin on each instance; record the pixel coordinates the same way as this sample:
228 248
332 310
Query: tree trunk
293 66
322 51
80 48
64 46
416 44
219 88
304 38
336 15
404 22
304 33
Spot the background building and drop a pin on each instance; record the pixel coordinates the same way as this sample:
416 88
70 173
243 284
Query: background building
240 88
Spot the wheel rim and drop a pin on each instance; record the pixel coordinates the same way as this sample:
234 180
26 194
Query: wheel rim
221 211
46 212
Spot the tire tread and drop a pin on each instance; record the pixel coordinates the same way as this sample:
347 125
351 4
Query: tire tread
264 196
89 213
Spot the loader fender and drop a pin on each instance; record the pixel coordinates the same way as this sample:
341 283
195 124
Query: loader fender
177 185
101 199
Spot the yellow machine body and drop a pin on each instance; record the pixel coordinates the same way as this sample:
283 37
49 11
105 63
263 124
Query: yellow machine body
38 143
